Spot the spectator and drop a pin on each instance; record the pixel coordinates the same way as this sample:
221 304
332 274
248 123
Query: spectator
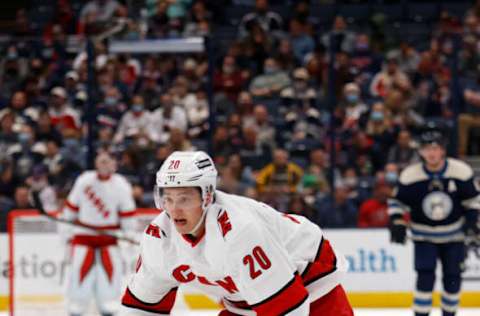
285 56
229 80
44 129
373 211
8 179
301 94
96 14
23 114
302 43
135 125
271 82
167 117
390 77
22 198
244 105
198 115
354 106
470 117
110 111
26 153
403 153
314 181
343 39
61 170
8 137
269 21
179 141
64 117
280 176
253 153
337 210
298 206
407 57
364 59
236 178
222 146
391 174
260 122
380 129
39 182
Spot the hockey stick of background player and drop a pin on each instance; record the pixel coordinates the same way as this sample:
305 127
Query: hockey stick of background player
38 204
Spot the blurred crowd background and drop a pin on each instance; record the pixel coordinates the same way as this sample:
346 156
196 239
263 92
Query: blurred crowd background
279 135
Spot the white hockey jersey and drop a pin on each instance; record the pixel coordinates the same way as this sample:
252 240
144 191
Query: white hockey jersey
256 260
100 204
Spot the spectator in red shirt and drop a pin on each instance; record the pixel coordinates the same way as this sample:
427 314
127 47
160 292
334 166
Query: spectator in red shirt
373 211
229 80
63 116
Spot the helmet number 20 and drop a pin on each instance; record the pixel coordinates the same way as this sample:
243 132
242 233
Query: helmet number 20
174 164
259 257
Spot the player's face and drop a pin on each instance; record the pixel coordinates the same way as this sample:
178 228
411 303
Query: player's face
184 205
433 154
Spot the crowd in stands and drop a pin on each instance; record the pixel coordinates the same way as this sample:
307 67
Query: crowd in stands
275 130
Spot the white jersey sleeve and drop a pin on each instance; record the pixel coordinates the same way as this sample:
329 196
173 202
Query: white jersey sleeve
127 207
150 289
264 273
73 200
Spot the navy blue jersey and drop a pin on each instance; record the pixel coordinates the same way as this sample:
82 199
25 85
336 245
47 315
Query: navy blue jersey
437 201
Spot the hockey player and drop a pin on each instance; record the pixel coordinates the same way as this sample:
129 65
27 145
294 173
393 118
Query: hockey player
256 260
102 200
443 200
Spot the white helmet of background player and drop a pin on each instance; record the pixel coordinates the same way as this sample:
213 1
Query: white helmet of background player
188 169
105 164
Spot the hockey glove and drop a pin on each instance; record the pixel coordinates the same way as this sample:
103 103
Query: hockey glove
398 230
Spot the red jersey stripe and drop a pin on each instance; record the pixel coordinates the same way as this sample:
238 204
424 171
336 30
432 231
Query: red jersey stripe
290 297
324 264
71 206
163 306
127 213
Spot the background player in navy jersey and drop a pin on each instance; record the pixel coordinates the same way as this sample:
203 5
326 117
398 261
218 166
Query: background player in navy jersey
443 202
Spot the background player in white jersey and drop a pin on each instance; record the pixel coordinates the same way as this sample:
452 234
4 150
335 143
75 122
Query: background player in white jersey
256 260
102 200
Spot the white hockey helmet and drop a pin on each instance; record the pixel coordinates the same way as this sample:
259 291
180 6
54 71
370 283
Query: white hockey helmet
187 169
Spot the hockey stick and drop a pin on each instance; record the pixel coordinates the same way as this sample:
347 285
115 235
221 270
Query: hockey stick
38 204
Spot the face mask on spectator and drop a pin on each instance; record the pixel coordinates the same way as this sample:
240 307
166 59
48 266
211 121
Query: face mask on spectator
391 177
110 101
228 69
71 143
23 138
351 182
351 98
137 108
270 70
377 116
300 85
362 46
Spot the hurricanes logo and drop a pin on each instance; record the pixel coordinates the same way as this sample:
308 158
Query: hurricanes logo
437 205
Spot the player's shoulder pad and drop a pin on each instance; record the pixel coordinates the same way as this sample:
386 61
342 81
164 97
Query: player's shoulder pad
234 215
158 229
413 173
122 180
86 176
458 169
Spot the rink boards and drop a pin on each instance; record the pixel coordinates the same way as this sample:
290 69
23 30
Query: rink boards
380 274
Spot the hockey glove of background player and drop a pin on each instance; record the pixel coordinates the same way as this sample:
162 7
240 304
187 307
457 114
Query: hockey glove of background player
398 229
